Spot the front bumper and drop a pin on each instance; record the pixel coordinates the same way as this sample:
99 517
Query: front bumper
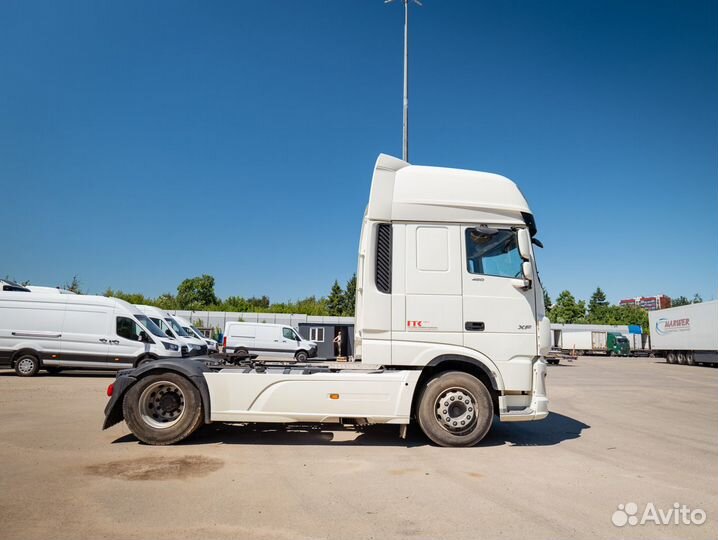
538 407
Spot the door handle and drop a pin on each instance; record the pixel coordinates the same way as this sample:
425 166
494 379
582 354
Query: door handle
115 341
474 326
103 340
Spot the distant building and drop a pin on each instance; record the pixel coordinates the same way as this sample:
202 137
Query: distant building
649 303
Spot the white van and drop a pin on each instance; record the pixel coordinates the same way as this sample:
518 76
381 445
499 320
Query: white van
212 345
57 331
267 339
190 345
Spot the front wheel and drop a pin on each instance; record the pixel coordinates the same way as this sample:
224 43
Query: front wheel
455 409
163 409
301 356
27 365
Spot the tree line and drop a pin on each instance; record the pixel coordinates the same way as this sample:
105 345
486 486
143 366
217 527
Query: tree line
198 294
567 310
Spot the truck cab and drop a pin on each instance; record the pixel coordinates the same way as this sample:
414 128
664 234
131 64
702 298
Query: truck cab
446 273
617 344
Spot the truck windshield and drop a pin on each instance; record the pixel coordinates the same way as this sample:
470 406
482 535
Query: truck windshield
176 327
152 327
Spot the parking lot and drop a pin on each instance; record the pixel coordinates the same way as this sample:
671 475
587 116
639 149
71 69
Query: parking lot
620 431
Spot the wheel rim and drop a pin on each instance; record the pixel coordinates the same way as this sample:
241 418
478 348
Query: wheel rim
25 365
162 404
455 410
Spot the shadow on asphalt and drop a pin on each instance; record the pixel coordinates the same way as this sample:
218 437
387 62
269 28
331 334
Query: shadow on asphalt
556 428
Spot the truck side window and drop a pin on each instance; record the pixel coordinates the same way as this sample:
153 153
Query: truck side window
492 252
128 329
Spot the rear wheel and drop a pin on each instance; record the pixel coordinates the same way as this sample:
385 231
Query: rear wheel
682 358
455 409
671 357
690 358
27 365
301 356
163 409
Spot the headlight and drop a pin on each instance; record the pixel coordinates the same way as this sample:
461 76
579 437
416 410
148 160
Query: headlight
170 346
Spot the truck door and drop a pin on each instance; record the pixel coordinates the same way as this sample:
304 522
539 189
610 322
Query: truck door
499 314
433 287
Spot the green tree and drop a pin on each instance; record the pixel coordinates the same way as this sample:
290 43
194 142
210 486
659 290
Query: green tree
680 301
350 296
166 301
697 299
625 315
336 300
132 298
547 302
73 285
196 293
567 310
597 306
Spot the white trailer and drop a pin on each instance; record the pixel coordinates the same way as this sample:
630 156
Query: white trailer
450 327
686 334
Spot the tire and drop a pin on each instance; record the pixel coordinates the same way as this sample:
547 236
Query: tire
456 388
163 409
53 370
241 351
691 359
671 357
682 359
301 356
27 365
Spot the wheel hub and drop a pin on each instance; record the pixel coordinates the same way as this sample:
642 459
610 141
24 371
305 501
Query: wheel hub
25 365
456 410
162 404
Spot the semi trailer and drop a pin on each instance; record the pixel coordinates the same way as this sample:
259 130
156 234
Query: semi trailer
450 327
686 334
595 341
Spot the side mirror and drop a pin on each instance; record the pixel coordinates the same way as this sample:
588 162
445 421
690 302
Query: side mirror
144 338
528 270
524 283
524 244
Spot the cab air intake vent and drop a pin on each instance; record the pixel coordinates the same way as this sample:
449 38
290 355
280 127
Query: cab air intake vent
383 258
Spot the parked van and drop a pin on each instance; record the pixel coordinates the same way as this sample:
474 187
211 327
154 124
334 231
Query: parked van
190 345
212 345
57 331
267 339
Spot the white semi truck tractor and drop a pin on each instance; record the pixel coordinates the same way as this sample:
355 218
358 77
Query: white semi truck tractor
450 327
686 334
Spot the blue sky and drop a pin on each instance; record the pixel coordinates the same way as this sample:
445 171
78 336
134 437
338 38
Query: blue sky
145 142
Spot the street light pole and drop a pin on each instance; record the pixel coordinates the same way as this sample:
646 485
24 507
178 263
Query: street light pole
405 138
